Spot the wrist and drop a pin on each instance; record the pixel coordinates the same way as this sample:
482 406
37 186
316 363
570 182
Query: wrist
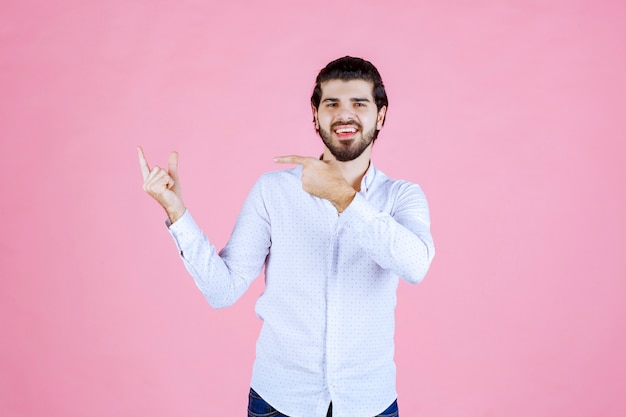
343 201
175 213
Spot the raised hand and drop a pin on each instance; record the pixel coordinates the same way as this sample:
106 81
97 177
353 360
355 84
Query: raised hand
322 179
162 185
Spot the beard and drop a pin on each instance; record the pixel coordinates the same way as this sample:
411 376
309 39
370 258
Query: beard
348 150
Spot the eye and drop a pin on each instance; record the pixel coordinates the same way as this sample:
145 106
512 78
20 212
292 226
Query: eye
359 104
331 104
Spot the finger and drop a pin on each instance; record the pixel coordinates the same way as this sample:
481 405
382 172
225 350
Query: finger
149 181
294 159
157 180
154 172
143 164
172 165
155 175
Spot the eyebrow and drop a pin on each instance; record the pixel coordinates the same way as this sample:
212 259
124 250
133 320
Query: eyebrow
353 99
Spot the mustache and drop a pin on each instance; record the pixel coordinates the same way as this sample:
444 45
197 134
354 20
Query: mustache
344 123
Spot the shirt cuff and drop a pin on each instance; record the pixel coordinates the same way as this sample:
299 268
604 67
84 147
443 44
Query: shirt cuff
183 231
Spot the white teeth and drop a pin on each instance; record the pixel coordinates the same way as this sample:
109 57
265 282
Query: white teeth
346 130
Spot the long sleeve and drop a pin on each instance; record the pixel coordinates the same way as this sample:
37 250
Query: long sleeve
330 287
399 241
223 277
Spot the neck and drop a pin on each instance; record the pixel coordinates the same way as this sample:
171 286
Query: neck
352 171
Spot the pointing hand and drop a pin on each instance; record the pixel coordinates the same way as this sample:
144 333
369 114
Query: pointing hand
322 179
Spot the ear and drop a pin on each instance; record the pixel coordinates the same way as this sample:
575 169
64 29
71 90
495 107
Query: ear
315 119
381 117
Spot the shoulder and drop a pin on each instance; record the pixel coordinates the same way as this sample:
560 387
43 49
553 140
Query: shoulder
395 186
276 181
282 174
280 177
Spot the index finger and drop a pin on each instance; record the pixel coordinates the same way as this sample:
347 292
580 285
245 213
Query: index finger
143 164
294 159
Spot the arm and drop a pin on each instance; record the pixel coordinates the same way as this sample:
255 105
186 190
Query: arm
222 277
400 241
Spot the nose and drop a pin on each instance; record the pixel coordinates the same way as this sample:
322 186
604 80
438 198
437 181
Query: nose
344 111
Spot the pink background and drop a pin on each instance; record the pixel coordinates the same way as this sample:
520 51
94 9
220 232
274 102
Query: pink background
510 114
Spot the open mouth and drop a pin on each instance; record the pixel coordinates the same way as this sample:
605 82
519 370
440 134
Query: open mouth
346 132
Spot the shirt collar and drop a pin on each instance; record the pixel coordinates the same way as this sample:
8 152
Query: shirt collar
368 179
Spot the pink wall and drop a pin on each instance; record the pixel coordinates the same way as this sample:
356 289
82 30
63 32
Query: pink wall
510 114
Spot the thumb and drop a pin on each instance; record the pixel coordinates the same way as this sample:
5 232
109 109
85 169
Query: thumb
172 166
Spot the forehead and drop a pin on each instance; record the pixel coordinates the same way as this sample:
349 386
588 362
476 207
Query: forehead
347 89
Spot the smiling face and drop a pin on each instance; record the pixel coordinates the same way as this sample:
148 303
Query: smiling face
347 118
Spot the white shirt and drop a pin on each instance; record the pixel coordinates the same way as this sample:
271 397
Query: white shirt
330 287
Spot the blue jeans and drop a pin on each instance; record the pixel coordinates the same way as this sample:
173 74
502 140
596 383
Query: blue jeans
258 407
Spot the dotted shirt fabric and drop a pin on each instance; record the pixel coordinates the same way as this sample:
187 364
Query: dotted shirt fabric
330 287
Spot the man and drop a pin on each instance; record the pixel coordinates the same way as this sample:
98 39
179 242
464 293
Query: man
334 234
